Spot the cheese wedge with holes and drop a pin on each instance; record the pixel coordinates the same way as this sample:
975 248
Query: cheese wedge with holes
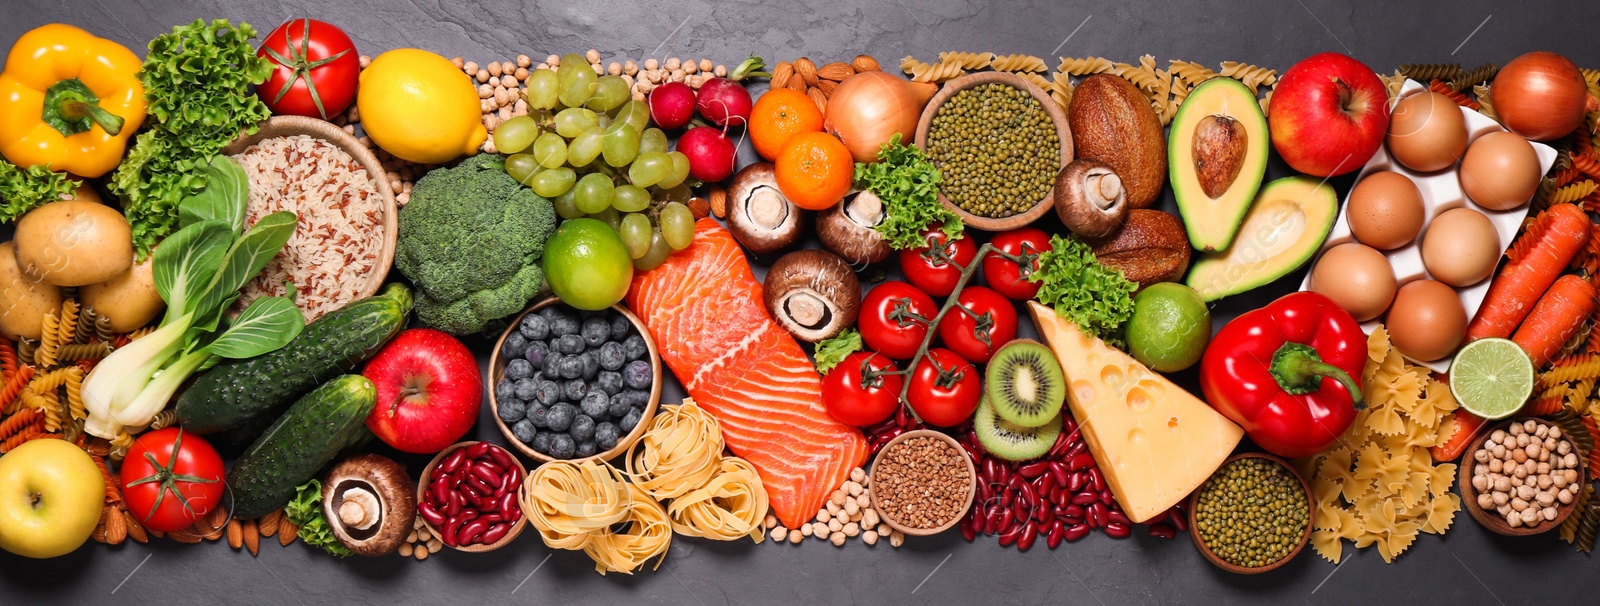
1154 441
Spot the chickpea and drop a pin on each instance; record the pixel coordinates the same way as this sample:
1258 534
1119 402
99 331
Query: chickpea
593 56
1485 501
779 534
651 65
858 475
494 69
630 68
870 537
553 60
835 525
673 63
837 539
851 529
795 536
769 522
823 516
705 65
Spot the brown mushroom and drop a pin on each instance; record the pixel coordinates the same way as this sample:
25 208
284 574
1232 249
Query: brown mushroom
846 229
759 215
370 504
813 294
1090 198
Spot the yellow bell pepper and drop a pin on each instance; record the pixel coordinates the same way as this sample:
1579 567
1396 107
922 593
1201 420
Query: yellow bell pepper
69 100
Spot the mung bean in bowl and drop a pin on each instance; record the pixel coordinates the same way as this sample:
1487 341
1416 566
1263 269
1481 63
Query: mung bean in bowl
1252 515
922 482
999 142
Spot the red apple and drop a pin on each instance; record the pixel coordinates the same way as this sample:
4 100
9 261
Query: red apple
1328 115
429 391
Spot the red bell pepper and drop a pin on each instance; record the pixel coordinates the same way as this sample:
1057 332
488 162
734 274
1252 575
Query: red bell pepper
1288 373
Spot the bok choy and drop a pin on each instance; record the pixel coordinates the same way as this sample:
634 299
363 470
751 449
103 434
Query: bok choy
198 270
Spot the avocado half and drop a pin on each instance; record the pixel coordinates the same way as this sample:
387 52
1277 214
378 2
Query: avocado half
1284 227
1213 220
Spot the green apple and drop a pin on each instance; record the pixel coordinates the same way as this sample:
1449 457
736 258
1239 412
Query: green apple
51 493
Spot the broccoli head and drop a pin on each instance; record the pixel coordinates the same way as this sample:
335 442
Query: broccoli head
470 241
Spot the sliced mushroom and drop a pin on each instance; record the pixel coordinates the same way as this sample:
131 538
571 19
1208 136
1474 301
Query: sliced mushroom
760 217
813 294
847 229
1090 198
370 504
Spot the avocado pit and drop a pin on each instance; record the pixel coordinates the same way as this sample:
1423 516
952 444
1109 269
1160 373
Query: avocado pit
1219 148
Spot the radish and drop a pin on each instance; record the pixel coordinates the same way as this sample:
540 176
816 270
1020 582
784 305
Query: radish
672 105
710 153
724 101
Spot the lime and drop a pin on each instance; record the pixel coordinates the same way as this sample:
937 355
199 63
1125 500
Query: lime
1170 327
587 264
1492 378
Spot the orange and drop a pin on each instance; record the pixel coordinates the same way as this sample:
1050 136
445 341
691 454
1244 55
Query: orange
778 116
815 170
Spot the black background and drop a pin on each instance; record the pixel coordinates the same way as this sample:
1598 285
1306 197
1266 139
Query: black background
1468 566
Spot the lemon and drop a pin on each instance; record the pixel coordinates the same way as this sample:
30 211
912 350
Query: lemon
420 107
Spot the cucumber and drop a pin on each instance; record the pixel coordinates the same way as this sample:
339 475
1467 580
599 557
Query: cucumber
242 397
299 444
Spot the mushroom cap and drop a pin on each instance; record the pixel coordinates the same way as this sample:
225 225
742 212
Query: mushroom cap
847 229
759 215
813 294
1090 198
397 502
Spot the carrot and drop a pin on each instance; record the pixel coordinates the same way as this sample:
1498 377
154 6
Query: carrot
1556 318
1535 261
1462 427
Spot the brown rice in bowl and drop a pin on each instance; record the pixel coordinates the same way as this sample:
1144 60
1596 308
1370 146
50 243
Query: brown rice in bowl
339 235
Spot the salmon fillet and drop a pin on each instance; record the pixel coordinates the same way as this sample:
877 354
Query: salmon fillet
704 308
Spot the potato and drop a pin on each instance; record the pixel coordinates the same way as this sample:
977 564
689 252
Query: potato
74 243
23 302
129 300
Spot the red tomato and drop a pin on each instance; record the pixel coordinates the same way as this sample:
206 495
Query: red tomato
929 270
894 319
944 388
171 479
857 393
991 323
1009 276
316 69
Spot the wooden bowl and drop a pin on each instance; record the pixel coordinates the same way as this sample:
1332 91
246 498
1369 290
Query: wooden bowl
1305 537
288 126
1057 116
889 518
1492 520
497 368
422 490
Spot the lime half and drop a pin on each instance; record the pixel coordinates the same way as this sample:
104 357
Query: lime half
1492 378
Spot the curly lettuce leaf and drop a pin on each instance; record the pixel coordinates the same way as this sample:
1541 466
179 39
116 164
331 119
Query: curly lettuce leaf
908 183
305 511
22 190
1099 299
198 81
830 352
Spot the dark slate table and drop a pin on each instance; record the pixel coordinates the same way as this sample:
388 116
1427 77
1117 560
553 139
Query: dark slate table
1468 566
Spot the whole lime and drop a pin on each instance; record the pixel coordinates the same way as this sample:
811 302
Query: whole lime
1170 327
587 265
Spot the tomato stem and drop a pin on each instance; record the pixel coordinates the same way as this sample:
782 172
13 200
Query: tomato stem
967 272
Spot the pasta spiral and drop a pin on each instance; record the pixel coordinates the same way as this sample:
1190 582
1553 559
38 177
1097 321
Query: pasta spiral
49 341
1424 72
1252 76
68 331
1017 63
967 60
1085 66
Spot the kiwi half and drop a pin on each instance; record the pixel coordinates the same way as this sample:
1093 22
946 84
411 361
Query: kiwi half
1025 383
1010 441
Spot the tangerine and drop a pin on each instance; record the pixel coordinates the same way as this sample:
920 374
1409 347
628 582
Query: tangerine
814 170
778 116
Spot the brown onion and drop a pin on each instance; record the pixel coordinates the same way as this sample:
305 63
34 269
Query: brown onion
1541 96
868 109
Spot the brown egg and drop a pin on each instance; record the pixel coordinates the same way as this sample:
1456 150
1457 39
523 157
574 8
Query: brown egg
1427 132
1427 321
1385 210
1500 171
1461 247
1356 277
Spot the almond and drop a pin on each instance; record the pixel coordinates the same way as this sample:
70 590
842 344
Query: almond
186 536
287 531
269 523
701 207
796 82
865 63
836 71
99 534
235 534
719 201
807 70
820 99
252 537
213 525
781 72
136 530
827 86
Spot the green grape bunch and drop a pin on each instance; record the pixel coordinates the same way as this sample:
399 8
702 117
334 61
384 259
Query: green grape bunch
588 145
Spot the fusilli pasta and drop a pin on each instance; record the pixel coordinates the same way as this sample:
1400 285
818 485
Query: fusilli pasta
1424 72
970 61
1017 63
1252 76
1085 66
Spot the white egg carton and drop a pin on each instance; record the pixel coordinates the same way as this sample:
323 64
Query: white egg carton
1441 191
